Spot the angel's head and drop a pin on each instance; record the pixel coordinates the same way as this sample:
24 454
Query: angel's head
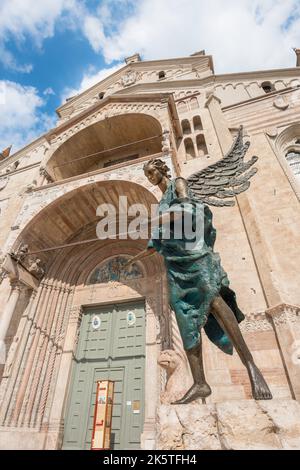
156 170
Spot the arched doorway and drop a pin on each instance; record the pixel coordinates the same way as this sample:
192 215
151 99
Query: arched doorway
62 311
111 346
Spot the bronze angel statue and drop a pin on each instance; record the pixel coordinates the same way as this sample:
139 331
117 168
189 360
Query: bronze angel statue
199 291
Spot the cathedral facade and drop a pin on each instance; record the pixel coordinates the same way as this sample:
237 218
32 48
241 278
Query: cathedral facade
72 315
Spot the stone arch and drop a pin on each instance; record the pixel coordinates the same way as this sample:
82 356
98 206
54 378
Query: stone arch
51 226
96 144
39 392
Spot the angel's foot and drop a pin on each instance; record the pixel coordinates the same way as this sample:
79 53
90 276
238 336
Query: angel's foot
197 390
260 389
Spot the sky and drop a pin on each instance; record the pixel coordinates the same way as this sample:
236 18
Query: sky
53 49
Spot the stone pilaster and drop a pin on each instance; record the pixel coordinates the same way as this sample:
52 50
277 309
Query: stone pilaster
286 322
56 424
148 435
15 361
224 136
7 315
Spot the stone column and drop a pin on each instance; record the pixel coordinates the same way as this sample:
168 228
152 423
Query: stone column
297 52
151 384
220 124
7 316
56 418
15 362
286 322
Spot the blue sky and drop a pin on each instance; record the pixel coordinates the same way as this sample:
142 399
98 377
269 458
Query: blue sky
55 48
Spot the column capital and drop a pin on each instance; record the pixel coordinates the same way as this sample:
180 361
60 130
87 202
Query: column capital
297 52
17 285
284 313
212 97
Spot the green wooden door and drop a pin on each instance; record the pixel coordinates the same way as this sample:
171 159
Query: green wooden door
111 346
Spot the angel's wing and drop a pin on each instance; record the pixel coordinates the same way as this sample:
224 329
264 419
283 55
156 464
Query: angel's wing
225 178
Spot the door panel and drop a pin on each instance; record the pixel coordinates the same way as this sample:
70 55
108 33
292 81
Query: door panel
114 351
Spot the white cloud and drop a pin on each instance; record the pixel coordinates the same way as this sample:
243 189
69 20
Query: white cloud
22 18
21 117
241 35
48 91
94 32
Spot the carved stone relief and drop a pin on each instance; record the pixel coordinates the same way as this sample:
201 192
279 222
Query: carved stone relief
129 78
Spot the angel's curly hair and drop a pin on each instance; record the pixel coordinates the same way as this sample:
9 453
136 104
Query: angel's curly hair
159 165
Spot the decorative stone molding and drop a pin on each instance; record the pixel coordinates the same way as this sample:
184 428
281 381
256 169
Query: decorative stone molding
75 315
272 132
284 313
257 321
280 103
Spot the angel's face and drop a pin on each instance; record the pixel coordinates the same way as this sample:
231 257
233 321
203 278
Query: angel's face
153 174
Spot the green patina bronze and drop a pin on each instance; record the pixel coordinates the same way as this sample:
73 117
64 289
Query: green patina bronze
195 276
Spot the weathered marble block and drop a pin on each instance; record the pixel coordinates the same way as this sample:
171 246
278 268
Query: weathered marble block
232 425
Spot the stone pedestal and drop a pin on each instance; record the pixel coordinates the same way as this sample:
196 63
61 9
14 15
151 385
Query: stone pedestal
232 425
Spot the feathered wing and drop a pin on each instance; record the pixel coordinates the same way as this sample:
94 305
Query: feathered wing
219 182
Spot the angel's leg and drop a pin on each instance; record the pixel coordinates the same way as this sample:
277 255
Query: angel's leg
229 324
200 388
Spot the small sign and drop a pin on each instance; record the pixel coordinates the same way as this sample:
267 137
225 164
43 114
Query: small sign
136 407
131 318
96 322
103 415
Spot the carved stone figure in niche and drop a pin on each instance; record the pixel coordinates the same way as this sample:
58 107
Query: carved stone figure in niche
37 268
166 145
45 174
21 253
199 292
113 270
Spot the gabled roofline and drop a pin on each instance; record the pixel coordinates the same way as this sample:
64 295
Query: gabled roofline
137 65
261 73
211 80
